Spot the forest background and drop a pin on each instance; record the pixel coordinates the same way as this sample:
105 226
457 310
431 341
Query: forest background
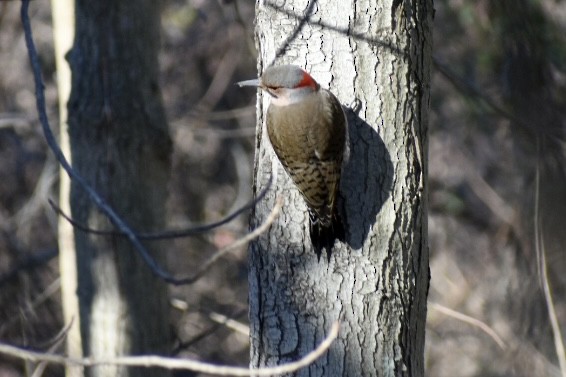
496 158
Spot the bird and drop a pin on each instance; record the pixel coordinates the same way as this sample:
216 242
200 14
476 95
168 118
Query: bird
307 128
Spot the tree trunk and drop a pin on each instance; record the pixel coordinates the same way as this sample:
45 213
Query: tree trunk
376 284
120 144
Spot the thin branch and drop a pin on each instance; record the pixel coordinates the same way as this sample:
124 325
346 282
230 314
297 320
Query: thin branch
214 258
230 323
56 339
472 321
37 301
487 193
76 177
103 206
221 115
234 245
36 202
244 175
174 363
168 234
244 24
56 342
222 78
14 120
238 243
183 345
238 133
543 270
27 262
471 90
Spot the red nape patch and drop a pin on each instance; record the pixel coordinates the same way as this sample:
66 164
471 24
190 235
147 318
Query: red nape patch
307 81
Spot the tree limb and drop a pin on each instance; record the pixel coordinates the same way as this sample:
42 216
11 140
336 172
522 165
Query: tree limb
167 234
174 363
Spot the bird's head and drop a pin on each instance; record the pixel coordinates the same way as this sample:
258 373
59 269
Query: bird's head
286 84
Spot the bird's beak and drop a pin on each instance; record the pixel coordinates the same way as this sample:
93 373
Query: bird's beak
249 83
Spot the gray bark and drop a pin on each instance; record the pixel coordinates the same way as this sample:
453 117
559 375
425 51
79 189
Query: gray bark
380 54
120 144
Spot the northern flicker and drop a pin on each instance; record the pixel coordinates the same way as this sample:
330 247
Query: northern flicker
308 130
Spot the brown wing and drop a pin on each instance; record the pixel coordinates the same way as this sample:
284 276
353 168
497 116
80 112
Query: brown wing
311 147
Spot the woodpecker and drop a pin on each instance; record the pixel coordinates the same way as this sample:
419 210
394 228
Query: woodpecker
308 130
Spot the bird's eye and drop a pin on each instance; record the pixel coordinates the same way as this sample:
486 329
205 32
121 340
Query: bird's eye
273 92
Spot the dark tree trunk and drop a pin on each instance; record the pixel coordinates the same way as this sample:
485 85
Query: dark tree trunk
380 54
120 144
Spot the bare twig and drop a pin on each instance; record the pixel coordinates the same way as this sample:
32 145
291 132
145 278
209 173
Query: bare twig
206 332
54 345
243 169
230 323
237 133
543 271
79 180
471 90
212 116
56 342
244 24
470 320
222 77
168 234
27 262
174 363
36 202
14 120
39 300
487 193
56 339
102 205
238 243
219 254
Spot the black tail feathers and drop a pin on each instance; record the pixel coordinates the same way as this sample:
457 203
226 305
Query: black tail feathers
323 235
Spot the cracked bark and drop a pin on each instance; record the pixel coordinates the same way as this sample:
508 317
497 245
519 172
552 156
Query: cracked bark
380 54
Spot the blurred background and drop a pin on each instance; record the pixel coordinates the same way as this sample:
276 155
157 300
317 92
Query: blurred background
497 182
